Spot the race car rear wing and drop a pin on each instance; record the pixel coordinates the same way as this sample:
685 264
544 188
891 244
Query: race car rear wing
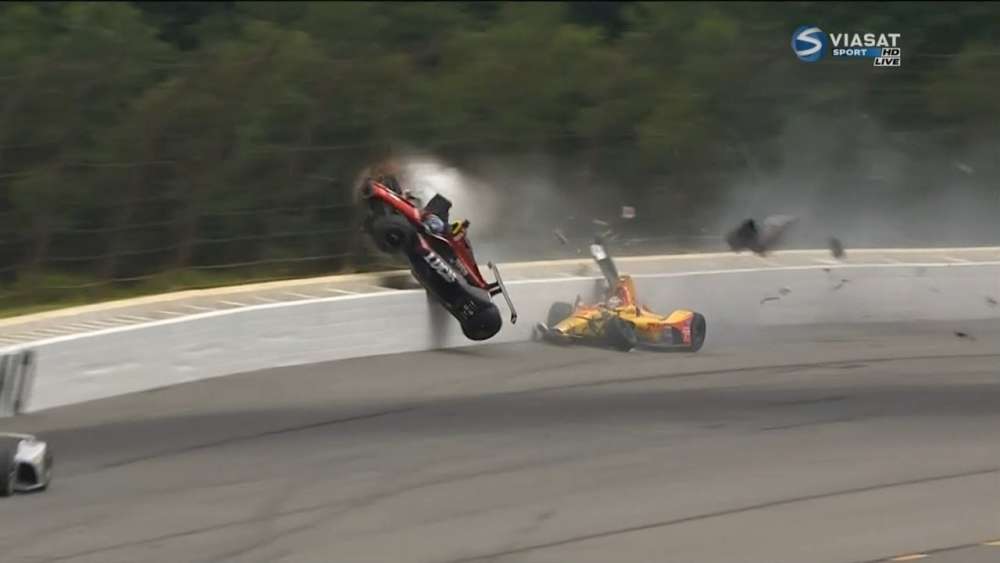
498 287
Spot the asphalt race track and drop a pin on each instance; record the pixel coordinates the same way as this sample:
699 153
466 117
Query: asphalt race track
802 444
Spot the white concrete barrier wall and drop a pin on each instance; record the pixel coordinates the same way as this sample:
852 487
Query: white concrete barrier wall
116 361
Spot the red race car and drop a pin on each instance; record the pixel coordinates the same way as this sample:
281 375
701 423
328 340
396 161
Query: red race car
439 253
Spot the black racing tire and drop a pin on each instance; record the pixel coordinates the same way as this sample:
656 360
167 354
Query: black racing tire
699 330
484 324
558 312
392 233
8 470
620 334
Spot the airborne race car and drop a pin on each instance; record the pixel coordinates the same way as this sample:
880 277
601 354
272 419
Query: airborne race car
619 321
440 257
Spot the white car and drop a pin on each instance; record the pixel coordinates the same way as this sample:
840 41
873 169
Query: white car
25 464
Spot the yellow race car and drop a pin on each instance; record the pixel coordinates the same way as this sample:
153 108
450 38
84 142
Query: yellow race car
619 321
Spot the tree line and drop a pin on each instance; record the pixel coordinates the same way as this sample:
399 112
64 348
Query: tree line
184 143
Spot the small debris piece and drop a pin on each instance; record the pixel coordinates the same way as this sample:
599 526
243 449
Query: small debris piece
562 238
601 223
759 238
766 299
991 302
784 291
628 212
837 248
961 334
843 282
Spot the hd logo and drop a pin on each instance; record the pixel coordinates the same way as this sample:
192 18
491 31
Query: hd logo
810 43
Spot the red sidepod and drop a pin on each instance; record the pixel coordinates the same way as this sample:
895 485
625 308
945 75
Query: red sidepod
413 214
379 191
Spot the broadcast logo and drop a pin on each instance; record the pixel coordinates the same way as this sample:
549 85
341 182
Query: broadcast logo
810 43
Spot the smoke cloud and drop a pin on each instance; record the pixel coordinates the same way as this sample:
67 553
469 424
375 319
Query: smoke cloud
848 177
844 177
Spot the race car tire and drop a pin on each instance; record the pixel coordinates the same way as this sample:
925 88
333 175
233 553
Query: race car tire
699 330
558 312
620 334
391 233
483 325
8 470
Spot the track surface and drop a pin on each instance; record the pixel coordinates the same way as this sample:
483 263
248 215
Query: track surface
827 444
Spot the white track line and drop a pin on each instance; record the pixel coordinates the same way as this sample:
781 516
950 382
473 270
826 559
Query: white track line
378 288
56 330
233 303
81 326
101 322
131 318
340 291
47 332
299 295
197 307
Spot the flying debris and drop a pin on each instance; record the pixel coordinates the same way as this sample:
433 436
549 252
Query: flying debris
965 168
559 235
837 248
628 212
759 238
991 302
